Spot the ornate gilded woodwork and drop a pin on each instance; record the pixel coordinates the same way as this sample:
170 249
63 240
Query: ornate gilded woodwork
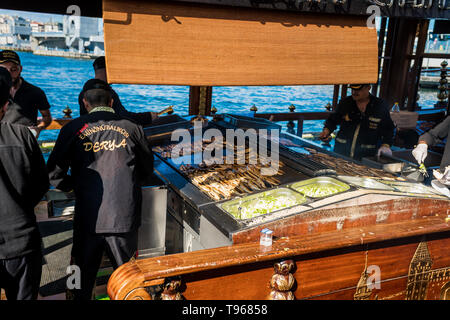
171 289
420 277
282 281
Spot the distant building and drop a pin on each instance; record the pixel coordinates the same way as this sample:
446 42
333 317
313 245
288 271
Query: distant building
75 36
84 34
36 27
14 31
53 27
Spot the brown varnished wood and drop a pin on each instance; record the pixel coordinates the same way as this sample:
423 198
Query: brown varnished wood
243 271
128 283
322 220
201 45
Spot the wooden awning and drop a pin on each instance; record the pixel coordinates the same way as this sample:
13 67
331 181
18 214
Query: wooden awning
171 43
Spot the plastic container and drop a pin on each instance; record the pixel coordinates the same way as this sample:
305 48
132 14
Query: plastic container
266 236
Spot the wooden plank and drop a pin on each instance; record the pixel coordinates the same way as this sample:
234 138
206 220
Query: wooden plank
57 124
200 45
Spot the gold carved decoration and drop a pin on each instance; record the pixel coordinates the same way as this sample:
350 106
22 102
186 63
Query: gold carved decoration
445 291
363 290
171 289
282 281
419 273
420 276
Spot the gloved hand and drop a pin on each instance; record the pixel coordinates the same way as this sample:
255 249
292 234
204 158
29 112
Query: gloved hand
420 152
384 149
443 178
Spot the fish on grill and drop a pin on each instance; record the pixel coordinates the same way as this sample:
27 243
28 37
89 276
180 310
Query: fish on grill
347 168
221 182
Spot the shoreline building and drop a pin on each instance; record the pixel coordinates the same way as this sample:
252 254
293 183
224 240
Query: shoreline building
75 36
15 32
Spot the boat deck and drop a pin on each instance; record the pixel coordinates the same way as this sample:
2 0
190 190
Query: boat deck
56 247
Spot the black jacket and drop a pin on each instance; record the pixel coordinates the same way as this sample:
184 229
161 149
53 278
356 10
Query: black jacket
109 158
440 132
142 118
23 183
26 103
361 135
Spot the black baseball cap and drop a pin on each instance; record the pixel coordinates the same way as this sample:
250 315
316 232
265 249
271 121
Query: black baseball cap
96 84
5 85
358 86
9 55
99 63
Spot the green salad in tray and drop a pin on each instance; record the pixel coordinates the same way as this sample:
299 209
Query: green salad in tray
320 187
263 203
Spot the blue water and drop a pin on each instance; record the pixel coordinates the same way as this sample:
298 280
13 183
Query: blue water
63 78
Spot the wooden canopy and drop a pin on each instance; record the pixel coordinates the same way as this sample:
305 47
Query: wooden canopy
172 43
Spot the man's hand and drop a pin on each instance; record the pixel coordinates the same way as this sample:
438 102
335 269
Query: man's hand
325 135
420 152
385 150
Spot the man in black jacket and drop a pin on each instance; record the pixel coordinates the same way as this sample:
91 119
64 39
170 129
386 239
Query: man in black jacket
366 127
142 118
110 159
23 183
27 99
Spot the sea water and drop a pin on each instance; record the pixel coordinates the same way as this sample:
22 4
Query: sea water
62 80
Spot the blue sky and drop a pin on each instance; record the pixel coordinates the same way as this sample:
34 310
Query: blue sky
41 17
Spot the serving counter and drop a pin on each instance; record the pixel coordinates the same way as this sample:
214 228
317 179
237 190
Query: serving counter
315 194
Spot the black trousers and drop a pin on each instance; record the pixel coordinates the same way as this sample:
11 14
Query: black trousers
21 276
87 253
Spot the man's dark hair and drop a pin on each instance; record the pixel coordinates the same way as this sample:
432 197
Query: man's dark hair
5 85
97 93
98 97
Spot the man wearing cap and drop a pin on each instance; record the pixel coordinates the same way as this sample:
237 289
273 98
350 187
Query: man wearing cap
109 159
23 183
366 127
27 99
141 118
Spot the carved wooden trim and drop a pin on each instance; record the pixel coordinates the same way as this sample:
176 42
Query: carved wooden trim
172 289
127 283
138 294
282 281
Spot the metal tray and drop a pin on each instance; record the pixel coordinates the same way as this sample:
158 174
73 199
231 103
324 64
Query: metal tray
166 124
242 207
408 187
387 164
320 182
365 183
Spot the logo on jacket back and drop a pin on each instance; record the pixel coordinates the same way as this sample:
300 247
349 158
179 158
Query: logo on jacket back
107 145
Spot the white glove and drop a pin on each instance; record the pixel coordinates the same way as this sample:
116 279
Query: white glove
420 152
444 178
385 150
